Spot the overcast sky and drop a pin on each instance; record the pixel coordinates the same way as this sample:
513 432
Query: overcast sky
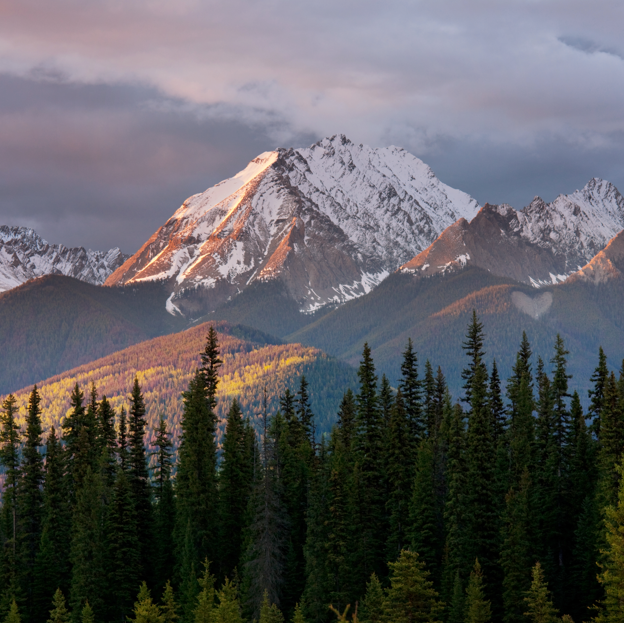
112 112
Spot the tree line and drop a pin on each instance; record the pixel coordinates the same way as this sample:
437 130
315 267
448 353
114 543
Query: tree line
507 505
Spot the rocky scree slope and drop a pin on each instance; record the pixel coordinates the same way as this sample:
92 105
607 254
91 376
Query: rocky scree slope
25 255
330 221
540 245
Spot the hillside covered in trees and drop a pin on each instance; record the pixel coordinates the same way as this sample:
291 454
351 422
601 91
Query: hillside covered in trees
506 504
252 364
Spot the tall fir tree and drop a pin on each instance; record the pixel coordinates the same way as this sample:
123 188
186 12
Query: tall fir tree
30 502
411 388
478 608
597 392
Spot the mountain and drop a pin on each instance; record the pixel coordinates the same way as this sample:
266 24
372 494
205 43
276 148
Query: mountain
330 222
435 312
605 266
55 323
24 255
252 362
539 245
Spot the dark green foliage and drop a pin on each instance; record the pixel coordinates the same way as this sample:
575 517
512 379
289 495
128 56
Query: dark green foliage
372 610
30 502
597 392
411 388
52 571
235 481
304 410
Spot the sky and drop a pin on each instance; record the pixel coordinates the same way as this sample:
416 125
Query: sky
112 112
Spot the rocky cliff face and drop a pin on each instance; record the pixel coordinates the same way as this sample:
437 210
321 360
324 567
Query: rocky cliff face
331 221
25 255
542 244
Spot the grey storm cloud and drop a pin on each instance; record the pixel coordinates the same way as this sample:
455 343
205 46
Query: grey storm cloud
112 113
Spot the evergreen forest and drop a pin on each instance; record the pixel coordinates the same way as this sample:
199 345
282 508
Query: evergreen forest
505 504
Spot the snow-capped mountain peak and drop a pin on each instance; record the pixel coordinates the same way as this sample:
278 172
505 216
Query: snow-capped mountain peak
330 221
25 255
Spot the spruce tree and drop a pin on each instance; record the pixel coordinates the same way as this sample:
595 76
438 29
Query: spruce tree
411 596
229 609
59 612
347 414
169 606
478 608
164 507
138 476
235 481
10 462
87 615
52 570
269 612
145 610
597 393
399 474
411 388
13 615
304 411
108 441
539 604
428 396
196 486
30 502
372 610
369 554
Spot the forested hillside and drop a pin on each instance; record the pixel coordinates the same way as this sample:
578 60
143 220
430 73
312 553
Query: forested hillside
55 323
505 505
434 312
252 362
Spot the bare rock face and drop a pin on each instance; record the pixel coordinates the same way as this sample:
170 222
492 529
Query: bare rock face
606 265
330 221
540 245
24 255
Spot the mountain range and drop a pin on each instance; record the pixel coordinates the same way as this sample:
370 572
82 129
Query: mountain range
337 244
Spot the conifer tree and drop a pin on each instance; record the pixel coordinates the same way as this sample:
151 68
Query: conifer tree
612 568
411 596
228 610
13 615
169 606
145 610
386 400
304 411
30 501
52 570
59 612
373 603
87 552
298 616
399 474
205 605
123 563
478 608
495 405
347 414
87 615
138 476
196 487
164 507
10 461
411 388
369 554
597 393
210 368
236 480
76 442
269 612
428 396
108 441
539 602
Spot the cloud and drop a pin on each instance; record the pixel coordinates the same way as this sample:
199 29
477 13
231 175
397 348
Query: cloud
143 103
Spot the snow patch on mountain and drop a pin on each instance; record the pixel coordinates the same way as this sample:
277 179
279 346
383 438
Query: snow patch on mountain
25 255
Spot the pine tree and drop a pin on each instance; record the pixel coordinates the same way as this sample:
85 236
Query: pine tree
269 612
210 368
235 478
87 615
304 411
612 568
10 461
30 501
481 515
76 441
298 616
399 476
347 414
59 612
138 476
411 596
228 610
87 551
196 487
478 608
373 603
539 602
123 563
205 606
145 610
411 388
369 554
52 570
169 606
164 507
13 615
597 393
386 400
